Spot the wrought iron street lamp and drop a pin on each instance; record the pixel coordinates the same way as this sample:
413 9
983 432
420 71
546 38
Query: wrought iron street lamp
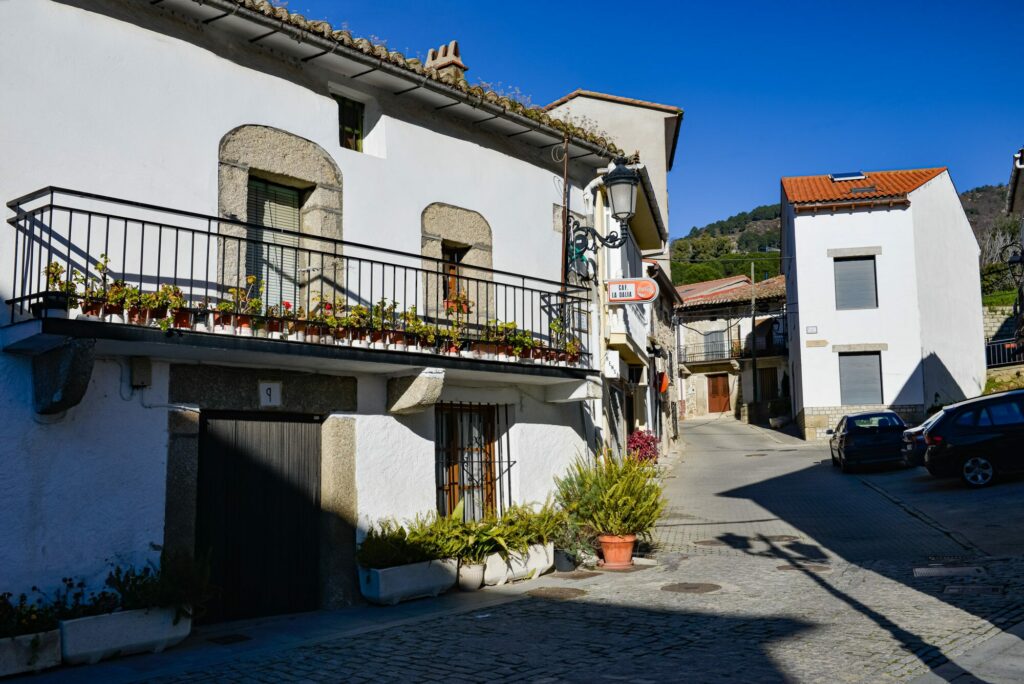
621 183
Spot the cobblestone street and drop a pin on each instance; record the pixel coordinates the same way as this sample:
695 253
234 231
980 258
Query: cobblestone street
771 566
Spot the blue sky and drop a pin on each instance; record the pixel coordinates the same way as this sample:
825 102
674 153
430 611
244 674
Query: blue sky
769 88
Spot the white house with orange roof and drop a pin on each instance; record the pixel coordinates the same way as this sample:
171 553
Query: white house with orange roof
882 275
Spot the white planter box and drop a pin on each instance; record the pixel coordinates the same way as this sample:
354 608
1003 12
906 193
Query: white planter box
18 654
90 639
539 558
391 585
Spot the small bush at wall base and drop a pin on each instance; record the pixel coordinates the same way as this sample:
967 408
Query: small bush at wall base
643 445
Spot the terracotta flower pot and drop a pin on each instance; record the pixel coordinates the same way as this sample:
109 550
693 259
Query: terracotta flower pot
136 316
91 307
617 550
182 319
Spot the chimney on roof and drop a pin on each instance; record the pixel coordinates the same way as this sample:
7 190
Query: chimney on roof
447 61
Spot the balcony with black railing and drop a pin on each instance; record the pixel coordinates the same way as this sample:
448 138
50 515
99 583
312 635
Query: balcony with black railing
728 350
87 265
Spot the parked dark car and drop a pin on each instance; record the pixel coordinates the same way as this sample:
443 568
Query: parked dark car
867 438
978 440
913 441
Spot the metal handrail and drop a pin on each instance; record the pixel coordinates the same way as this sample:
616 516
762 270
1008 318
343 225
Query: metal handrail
51 190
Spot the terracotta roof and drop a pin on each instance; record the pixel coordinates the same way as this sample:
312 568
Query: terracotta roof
706 286
346 41
1015 190
769 289
876 187
670 109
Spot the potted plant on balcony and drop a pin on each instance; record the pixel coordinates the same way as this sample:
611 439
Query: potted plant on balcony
383 324
458 303
29 635
132 301
223 317
93 290
59 297
415 333
177 306
522 344
573 350
357 321
248 303
274 321
152 307
113 307
495 342
616 499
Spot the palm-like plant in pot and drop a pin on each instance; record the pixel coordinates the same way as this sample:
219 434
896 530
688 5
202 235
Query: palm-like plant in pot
617 500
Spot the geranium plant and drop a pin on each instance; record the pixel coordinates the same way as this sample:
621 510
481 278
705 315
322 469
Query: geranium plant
643 446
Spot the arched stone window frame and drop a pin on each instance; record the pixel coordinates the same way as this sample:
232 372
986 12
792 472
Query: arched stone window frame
446 224
287 159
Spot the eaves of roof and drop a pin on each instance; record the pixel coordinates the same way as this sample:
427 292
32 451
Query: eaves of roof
323 36
671 110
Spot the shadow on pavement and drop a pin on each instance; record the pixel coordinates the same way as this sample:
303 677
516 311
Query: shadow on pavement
871 537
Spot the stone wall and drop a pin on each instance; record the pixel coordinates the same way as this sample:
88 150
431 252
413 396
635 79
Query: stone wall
815 421
999 322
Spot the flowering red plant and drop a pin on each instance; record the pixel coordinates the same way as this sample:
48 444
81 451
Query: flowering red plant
643 446
327 306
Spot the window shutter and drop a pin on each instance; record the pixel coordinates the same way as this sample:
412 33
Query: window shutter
273 259
855 283
860 378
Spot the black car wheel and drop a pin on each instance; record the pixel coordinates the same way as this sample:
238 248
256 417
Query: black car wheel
977 471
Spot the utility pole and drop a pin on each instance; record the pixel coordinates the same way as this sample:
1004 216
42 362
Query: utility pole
753 332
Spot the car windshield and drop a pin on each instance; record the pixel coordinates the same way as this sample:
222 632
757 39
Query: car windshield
932 419
878 420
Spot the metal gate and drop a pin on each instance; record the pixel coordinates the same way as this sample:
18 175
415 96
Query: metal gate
258 513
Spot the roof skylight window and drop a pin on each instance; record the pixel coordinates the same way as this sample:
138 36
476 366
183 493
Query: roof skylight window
846 176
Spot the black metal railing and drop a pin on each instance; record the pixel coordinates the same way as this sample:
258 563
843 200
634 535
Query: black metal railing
126 262
733 349
1006 352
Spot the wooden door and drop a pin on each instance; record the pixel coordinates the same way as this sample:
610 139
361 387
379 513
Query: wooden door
258 513
718 393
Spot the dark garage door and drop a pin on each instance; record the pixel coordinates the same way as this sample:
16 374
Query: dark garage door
258 513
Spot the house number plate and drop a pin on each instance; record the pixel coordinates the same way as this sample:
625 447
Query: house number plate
270 394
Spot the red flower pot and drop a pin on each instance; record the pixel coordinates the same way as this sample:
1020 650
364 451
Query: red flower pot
617 550
182 319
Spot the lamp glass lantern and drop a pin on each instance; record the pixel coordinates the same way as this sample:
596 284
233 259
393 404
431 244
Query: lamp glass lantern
622 183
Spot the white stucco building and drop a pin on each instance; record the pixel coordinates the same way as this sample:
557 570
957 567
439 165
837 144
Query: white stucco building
637 349
884 290
198 144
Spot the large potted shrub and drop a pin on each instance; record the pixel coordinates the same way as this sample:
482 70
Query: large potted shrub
617 499
60 296
145 610
29 635
397 564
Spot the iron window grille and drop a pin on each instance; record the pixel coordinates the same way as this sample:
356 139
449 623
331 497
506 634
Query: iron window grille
473 459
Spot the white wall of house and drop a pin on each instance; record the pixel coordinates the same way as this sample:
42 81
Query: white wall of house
108 107
949 294
82 491
893 323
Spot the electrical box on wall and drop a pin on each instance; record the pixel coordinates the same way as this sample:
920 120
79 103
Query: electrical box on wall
141 372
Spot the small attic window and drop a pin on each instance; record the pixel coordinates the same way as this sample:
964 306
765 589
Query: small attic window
862 189
846 176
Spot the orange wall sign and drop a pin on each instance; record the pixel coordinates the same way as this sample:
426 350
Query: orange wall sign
632 290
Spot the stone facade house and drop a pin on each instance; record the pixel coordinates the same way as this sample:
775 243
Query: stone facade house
267 283
726 347
882 275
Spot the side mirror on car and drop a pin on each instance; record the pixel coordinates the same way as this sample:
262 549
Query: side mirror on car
830 431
